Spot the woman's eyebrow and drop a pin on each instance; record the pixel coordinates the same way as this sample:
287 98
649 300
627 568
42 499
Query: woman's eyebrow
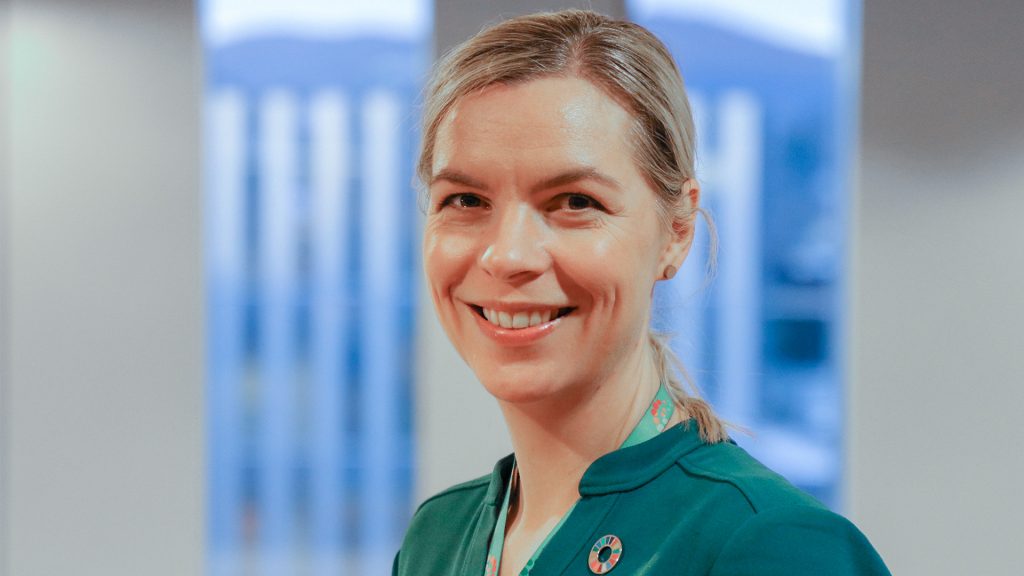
575 175
567 177
456 177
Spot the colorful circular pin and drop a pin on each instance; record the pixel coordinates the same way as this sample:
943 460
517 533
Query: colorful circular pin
605 554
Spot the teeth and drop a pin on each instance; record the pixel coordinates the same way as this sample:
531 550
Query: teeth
519 320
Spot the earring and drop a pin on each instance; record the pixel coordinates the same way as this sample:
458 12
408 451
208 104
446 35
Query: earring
670 271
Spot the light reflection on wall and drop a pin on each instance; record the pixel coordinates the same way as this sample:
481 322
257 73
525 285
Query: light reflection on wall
310 239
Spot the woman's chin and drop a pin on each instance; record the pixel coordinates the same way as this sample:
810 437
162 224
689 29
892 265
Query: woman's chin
512 393
524 387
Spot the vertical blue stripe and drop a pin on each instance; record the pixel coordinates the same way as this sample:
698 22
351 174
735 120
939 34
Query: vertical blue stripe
740 166
278 273
330 202
381 276
225 142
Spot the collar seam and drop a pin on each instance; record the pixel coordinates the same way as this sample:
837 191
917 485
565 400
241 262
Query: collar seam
643 475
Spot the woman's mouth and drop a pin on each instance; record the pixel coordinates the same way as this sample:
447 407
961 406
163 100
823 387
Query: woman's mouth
521 319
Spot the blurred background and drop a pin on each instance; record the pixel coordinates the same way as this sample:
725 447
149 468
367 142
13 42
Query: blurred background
216 356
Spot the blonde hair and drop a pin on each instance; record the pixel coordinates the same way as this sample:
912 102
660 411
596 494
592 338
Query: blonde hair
630 65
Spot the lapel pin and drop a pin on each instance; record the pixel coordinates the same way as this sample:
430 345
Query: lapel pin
605 554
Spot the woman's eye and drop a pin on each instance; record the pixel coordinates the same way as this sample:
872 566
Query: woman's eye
463 200
577 202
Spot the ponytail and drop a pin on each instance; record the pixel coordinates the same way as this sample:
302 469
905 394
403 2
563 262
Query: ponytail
680 385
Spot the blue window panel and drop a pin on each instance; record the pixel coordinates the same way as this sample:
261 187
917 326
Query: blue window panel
772 100
311 271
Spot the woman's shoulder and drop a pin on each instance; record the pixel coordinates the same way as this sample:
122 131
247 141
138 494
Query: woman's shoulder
715 509
469 491
797 540
449 529
447 514
774 527
728 464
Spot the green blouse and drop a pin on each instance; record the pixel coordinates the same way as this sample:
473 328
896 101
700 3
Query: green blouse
652 422
676 505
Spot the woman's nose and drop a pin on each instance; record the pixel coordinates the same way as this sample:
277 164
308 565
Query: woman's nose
516 248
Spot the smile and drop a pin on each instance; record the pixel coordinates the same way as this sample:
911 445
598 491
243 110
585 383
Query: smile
521 319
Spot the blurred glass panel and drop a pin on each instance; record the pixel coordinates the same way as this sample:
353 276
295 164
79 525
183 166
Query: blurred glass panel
773 87
311 257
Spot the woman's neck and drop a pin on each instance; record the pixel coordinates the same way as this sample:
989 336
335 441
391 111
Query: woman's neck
556 440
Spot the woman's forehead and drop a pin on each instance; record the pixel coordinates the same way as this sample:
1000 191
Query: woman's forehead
560 116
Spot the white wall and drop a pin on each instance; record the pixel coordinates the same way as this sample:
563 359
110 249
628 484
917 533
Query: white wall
936 464
102 361
4 241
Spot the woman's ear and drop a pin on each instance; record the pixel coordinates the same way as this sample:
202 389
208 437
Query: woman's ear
681 233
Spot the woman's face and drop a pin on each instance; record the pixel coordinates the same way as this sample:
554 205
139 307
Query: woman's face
542 241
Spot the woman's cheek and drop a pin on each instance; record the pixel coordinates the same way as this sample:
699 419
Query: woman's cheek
446 258
454 253
434 265
597 255
603 247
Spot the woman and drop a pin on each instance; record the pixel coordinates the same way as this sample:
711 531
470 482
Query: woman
558 153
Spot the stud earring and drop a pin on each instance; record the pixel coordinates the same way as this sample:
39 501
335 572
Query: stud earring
670 271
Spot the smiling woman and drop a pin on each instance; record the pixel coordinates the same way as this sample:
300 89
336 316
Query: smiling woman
551 196
558 156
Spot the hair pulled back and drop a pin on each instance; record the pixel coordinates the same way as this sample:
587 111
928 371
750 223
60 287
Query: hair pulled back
635 69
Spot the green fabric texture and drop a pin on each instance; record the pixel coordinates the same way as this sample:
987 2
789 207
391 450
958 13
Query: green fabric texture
679 506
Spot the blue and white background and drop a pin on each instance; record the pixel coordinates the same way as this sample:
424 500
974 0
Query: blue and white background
311 238
140 435
313 276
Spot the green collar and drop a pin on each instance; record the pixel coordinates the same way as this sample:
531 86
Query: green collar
631 467
619 471
651 425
